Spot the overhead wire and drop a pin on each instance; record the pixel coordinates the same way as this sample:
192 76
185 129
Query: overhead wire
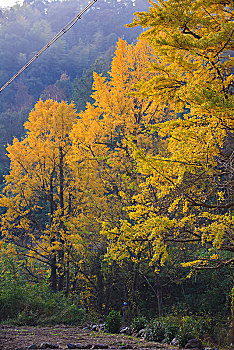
51 42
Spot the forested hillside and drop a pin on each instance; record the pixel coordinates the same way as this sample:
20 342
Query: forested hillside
118 204
24 30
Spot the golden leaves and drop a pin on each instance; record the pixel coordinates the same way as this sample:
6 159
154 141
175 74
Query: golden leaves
191 41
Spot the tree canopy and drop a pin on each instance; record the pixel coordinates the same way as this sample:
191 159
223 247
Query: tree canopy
135 190
187 191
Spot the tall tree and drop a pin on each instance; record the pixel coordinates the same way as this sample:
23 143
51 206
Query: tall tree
38 193
100 136
187 191
193 174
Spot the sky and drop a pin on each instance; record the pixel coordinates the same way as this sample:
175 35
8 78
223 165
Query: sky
6 3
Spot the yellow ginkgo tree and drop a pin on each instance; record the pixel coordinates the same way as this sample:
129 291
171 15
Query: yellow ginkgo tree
101 153
39 194
185 199
186 196
193 41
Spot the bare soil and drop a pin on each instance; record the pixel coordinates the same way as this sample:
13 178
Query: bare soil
21 338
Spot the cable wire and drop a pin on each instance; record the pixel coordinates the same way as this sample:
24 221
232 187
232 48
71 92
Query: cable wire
51 42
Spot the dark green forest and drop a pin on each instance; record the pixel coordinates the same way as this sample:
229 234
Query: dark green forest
101 275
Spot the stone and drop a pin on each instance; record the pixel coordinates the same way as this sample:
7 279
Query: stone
45 346
174 341
194 344
32 347
125 330
128 346
100 346
83 346
141 333
101 326
71 346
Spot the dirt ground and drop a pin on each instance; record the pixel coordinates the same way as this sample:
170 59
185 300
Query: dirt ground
22 338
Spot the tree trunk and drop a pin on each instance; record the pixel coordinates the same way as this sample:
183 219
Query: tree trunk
135 289
67 290
232 310
100 284
61 203
53 271
158 288
160 302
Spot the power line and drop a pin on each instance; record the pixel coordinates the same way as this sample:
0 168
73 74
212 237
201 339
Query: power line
55 38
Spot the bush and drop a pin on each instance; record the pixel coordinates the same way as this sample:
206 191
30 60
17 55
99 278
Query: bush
171 327
187 330
36 304
69 315
204 326
163 328
113 322
12 302
155 331
138 323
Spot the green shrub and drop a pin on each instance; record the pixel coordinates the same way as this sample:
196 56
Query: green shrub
165 327
33 305
171 331
26 318
187 330
113 322
155 331
69 315
12 302
139 323
171 326
204 326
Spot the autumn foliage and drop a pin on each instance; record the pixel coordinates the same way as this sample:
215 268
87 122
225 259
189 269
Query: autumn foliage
144 174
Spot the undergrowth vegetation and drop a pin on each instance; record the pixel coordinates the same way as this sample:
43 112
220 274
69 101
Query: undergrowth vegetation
183 328
32 305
